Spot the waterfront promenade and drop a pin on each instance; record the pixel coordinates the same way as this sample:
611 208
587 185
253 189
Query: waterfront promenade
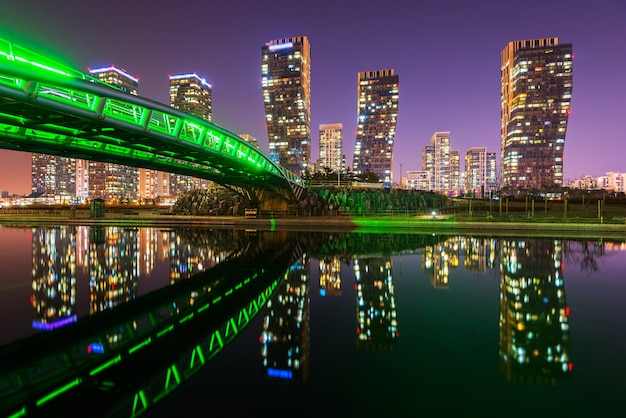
395 223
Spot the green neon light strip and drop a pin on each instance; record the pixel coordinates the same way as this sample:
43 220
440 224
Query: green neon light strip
105 365
230 326
216 336
244 312
187 318
140 396
141 344
59 391
203 308
216 299
20 413
200 354
165 331
228 292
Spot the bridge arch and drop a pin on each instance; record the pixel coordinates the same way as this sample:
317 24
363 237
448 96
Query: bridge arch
48 107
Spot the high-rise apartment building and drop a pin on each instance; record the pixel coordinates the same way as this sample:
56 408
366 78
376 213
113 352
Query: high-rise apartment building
535 99
82 179
251 139
108 180
437 159
286 83
53 175
428 166
118 78
191 94
331 147
480 171
376 124
456 185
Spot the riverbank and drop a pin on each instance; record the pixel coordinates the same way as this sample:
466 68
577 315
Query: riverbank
372 224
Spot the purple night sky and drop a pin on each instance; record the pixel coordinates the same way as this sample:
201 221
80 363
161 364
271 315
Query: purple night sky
446 53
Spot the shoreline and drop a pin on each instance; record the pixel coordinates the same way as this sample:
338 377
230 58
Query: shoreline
388 224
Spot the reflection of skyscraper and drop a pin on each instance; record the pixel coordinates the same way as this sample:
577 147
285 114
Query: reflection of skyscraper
536 91
534 323
480 253
285 336
376 125
187 259
377 324
147 245
286 83
82 248
54 277
438 259
114 269
107 180
330 276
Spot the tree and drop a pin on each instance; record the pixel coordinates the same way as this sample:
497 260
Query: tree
368 177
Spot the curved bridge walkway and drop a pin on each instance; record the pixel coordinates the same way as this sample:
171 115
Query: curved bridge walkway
48 107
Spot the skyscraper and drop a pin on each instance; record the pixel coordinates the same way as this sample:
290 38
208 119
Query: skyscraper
455 173
331 147
480 171
535 98
436 158
191 94
286 83
53 175
117 78
108 180
376 124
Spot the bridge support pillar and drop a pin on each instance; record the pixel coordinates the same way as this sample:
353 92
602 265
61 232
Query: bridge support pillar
271 201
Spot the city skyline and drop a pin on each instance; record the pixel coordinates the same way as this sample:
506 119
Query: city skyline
448 54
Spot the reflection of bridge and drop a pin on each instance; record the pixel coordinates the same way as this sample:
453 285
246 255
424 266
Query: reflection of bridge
50 108
131 357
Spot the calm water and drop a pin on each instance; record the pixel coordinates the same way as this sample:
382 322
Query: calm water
348 324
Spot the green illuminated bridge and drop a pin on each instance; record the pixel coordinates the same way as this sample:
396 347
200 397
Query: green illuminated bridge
48 107
127 359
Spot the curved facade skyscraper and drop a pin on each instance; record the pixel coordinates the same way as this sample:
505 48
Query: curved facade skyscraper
286 82
535 98
376 125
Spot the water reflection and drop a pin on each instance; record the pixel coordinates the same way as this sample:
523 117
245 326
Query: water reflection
534 325
286 332
204 266
54 278
377 313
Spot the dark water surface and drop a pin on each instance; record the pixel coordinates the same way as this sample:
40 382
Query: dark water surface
348 324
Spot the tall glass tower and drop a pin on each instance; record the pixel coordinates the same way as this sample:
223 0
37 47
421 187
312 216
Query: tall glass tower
286 83
331 147
376 125
108 180
191 94
535 105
